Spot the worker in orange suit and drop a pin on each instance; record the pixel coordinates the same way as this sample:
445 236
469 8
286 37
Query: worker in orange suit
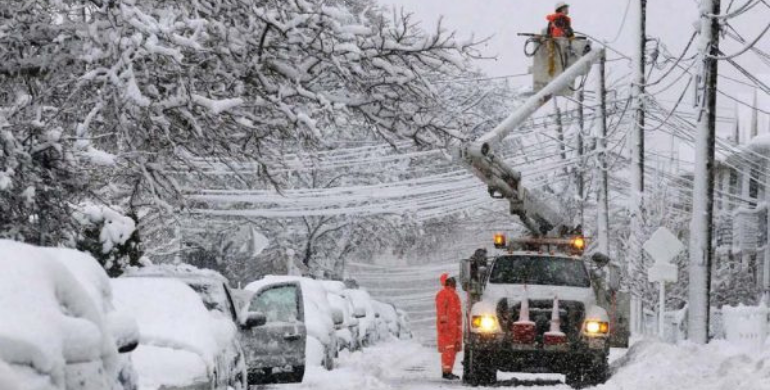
449 324
559 22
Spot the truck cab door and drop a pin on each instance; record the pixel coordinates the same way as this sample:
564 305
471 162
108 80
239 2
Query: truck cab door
278 346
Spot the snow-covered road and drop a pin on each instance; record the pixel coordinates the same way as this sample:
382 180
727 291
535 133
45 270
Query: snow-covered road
407 365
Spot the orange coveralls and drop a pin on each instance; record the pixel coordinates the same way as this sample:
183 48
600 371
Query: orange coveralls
449 324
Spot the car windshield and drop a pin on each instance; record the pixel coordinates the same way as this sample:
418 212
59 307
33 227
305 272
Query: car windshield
540 270
212 295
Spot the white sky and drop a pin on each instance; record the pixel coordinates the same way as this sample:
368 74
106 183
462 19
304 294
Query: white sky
671 20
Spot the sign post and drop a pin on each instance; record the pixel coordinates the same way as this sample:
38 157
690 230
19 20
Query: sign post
663 246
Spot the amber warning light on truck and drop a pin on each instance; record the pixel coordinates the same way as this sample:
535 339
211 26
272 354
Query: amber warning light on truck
574 246
499 240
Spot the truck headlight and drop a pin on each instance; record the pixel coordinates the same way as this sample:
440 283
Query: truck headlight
485 323
596 327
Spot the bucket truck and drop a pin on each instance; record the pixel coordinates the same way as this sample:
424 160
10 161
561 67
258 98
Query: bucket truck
538 306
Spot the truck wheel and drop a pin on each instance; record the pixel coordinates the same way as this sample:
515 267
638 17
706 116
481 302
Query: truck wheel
590 372
297 375
478 370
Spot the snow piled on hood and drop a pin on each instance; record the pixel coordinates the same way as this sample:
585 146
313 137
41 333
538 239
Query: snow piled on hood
174 326
716 366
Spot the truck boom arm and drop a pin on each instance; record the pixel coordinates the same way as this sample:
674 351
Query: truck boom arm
504 181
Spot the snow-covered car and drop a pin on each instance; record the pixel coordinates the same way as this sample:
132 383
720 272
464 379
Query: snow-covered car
388 320
182 345
347 332
320 319
90 274
53 335
404 330
219 300
363 310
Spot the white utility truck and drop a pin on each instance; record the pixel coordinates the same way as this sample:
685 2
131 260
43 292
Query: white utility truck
539 305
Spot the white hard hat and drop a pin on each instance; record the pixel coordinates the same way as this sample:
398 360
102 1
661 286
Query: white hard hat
561 5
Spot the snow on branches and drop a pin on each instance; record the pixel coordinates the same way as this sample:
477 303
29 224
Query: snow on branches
136 91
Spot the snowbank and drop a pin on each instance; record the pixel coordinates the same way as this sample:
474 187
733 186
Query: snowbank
718 365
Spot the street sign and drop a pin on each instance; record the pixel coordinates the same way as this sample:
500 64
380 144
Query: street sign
666 273
663 246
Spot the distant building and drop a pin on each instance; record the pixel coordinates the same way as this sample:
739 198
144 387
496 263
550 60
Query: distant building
740 212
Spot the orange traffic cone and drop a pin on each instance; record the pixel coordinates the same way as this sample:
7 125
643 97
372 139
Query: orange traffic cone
555 337
524 329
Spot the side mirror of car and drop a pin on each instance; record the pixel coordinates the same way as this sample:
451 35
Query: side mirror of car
359 312
338 317
600 259
253 319
124 330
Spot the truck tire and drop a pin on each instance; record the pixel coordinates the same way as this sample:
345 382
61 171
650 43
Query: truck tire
588 373
297 375
478 370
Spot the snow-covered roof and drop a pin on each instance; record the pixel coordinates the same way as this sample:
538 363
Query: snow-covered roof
760 143
179 271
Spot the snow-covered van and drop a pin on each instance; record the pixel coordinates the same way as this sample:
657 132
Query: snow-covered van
536 308
275 352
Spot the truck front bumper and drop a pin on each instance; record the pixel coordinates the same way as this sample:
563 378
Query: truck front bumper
500 351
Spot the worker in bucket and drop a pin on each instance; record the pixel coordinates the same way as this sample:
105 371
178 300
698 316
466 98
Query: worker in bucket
449 324
559 22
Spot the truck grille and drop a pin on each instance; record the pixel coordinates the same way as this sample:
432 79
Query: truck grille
571 313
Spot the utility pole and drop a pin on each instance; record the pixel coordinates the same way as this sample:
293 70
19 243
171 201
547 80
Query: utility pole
603 193
640 82
581 153
636 255
560 133
701 230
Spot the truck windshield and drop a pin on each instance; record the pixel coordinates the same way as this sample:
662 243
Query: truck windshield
540 270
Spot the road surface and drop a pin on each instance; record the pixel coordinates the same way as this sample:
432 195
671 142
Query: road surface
404 365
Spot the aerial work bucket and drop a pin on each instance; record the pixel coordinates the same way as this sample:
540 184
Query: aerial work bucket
551 56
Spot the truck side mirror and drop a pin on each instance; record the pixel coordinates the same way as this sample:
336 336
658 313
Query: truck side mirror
465 274
600 259
614 277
